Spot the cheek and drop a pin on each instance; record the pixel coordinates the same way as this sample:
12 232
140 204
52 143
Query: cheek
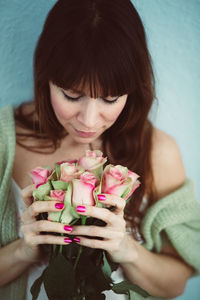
60 107
112 113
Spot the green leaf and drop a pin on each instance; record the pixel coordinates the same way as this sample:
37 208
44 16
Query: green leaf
47 198
53 176
54 216
59 185
98 282
89 271
35 289
59 281
58 170
124 287
126 192
106 266
113 265
42 191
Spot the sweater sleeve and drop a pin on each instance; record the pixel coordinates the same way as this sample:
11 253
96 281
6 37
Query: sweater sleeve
178 216
8 231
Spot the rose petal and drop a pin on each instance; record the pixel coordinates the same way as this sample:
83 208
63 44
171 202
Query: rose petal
82 193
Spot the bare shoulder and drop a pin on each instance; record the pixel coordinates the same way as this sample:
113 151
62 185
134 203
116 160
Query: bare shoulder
168 169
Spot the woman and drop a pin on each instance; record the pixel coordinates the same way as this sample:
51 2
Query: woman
94 88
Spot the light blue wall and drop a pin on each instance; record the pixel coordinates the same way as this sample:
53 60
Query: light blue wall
173 31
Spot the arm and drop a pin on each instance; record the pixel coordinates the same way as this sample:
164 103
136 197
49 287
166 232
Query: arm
161 275
13 263
164 274
19 255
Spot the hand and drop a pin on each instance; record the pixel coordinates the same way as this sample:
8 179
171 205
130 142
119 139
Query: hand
115 239
32 228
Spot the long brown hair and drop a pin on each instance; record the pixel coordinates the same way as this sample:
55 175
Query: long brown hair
99 43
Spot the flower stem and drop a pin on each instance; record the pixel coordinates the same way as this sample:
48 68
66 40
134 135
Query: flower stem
83 221
77 258
61 246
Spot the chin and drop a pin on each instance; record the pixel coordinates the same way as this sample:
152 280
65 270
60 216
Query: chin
83 140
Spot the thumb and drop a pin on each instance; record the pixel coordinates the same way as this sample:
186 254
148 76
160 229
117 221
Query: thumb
26 194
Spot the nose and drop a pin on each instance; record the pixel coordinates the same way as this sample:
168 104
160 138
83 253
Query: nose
88 115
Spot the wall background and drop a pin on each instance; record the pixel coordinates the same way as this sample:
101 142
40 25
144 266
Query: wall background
173 32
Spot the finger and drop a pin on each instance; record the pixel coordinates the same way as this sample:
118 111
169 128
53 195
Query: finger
95 231
34 240
45 226
26 194
92 243
113 200
103 214
38 207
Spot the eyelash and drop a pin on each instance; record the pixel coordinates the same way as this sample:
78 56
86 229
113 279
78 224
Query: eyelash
79 98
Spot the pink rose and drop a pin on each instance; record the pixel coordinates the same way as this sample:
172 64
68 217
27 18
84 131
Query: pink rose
59 194
93 162
91 159
83 189
120 181
39 175
70 171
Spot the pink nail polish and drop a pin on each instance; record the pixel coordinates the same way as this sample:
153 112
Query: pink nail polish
67 241
101 197
59 205
77 240
80 208
68 228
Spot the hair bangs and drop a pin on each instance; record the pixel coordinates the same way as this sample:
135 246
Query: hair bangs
92 61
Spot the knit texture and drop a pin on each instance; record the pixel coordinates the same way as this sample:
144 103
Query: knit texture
177 214
8 232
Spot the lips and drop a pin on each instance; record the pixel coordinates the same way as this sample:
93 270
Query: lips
85 134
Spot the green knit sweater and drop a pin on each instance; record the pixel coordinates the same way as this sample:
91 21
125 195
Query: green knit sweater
177 215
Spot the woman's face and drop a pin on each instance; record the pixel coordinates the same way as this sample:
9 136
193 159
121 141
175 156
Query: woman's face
85 118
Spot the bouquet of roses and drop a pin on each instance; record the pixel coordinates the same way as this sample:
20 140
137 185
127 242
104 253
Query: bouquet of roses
74 271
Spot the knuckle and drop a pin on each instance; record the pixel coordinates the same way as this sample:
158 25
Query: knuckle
28 240
27 191
41 225
108 215
35 207
47 239
94 231
94 243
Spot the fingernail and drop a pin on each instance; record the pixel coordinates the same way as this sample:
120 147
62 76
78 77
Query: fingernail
59 205
80 209
68 228
77 240
101 197
67 241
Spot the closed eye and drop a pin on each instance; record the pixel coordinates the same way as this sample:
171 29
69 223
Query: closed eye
71 98
78 98
110 101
